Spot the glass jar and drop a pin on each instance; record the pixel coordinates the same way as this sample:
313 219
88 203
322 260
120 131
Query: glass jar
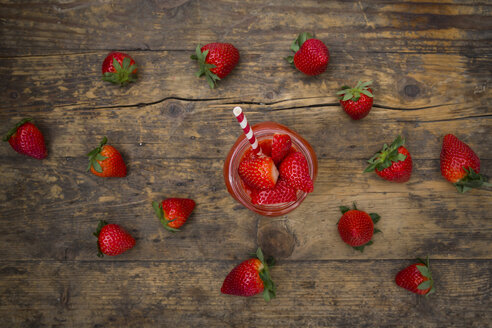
234 184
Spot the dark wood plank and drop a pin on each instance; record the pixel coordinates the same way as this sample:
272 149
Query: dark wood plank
376 26
55 214
401 81
208 129
169 293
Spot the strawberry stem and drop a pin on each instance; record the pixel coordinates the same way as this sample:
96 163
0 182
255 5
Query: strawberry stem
471 180
348 93
14 129
205 67
95 156
124 73
269 290
386 156
299 41
159 212
426 272
297 44
361 248
100 225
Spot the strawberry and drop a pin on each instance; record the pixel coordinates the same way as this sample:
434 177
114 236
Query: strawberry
392 163
259 172
294 169
250 278
112 239
356 102
25 138
281 144
357 227
173 212
460 165
119 68
282 193
216 61
106 161
416 278
311 56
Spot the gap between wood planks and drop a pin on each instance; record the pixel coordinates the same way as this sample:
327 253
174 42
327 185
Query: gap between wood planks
77 52
279 261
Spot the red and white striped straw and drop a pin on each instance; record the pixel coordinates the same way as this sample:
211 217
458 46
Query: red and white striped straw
243 122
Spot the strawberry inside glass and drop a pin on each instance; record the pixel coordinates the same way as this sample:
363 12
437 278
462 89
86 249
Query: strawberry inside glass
286 166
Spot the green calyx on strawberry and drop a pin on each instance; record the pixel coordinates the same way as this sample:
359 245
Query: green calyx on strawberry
159 212
95 156
471 180
460 165
270 290
387 156
426 272
348 93
100 225
297 44
205 67
416 278
14 129
311 56
121 74
251 277
174 212
356 228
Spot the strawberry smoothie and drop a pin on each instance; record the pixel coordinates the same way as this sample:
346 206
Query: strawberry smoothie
279 179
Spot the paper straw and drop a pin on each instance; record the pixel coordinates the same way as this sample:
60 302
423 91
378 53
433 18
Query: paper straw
243 122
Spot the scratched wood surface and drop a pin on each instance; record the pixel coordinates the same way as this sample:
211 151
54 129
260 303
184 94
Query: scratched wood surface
432 70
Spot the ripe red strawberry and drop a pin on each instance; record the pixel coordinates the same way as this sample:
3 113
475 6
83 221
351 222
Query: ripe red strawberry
311 55
216 61
259 172
356 102
392 163
25 138
281 144
294 169
357 227
282 193
460 165
416 278
173 212
106 161
250 278
112 239
119 68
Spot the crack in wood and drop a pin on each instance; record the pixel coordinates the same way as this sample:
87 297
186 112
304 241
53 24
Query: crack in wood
258 103
448 119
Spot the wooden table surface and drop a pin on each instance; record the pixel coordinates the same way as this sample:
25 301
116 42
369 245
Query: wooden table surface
431 66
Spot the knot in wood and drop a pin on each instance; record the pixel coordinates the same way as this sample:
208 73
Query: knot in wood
276 239
411 90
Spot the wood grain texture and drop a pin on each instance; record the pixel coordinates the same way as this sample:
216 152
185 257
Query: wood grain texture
33 27
310 294
73 81
430 62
